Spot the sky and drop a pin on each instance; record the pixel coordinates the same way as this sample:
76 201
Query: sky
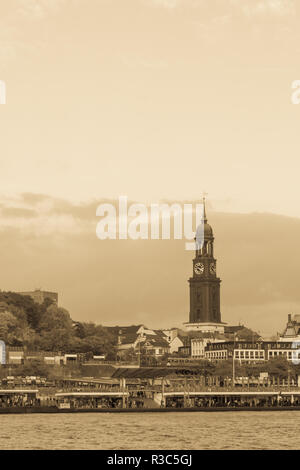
157 100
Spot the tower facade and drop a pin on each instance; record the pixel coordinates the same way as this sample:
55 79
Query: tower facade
205 314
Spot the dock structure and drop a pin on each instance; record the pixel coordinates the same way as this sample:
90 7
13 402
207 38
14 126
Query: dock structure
161 399
92 400
174 400
152 389
18 397
162 388
233 398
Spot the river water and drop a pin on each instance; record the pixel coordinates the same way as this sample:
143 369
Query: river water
173 431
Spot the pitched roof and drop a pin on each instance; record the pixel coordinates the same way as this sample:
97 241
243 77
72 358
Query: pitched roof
160 333
157 342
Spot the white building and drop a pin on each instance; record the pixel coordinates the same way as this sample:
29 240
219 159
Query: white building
175 344
198 346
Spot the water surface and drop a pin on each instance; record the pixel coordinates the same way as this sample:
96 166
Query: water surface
178 431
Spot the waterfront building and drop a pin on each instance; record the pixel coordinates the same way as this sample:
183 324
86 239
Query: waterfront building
171 334
243 352
18 355
251 352
15 355
285 349
138 337
155 346
176 344
185 350
198 346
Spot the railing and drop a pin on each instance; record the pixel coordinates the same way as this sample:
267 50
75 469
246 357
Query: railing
89 389
110 363
230 389
19 387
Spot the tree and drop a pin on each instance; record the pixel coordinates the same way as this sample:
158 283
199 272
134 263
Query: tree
94 338
79 330
278 366
48 327
10 331
95 344
55 329
127 355
31 309
55 317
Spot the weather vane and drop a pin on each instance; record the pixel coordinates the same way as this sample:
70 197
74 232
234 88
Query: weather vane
204 194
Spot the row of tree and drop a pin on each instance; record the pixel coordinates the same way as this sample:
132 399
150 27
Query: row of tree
48 327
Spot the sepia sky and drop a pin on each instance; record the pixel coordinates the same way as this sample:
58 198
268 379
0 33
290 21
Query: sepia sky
153 99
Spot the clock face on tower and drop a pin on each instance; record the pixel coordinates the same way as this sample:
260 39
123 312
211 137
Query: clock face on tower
212 268
199 268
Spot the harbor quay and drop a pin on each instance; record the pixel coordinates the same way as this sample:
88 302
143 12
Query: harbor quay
19 401
147 389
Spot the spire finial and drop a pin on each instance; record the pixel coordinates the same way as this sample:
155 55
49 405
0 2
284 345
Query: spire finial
204 194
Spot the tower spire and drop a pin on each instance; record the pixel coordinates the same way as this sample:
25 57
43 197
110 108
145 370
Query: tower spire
204 217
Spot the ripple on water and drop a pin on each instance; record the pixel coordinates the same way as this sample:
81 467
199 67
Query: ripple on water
178 431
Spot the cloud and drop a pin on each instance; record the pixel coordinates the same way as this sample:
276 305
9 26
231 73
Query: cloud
134 62
15 20
250 8
39 9
17 212
163 3
33 198
41 214
261 8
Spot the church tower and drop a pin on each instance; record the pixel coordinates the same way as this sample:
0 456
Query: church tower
205 314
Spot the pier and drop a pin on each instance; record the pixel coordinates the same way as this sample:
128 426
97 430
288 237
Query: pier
149 389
